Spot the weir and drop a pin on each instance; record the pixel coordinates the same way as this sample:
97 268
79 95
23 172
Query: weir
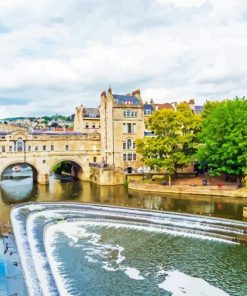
33 221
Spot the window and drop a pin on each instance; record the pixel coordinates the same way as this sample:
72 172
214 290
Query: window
134 145
94 159
87 125
124 157
124 128
67 147
52 147
44 147
124 145
36 148
128 113
29 148
134 156
93 126
10 148
124 113
129 128
129 144
20 145
129 156
3 148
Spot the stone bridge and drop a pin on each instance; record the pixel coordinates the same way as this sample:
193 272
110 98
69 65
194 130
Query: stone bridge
43 149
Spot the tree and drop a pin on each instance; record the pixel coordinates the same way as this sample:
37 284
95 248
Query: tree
224 138
175 139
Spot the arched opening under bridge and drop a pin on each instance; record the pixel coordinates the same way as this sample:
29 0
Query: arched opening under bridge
67 170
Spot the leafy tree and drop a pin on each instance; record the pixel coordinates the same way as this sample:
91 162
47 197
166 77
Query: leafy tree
174 142
224 138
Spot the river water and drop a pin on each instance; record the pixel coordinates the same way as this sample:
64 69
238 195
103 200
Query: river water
19 187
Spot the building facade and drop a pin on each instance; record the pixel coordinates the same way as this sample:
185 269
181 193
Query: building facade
120 122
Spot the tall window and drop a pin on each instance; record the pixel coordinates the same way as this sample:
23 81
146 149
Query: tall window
129 128
129 144
29 148
52 147
20 145
3 148
124 145
67 147
36 148
44 147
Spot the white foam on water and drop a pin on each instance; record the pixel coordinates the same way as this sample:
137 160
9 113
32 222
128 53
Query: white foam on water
61 283
30 275
120 257
34 207
181 284
133 273
101 211
40 262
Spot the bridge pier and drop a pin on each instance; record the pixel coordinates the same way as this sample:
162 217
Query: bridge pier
42 179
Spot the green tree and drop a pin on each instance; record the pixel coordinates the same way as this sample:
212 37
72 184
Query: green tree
224 138
175 139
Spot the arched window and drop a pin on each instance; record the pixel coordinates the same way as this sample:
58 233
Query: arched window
129 144
19 145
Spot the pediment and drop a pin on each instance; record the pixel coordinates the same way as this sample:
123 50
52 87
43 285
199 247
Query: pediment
19 133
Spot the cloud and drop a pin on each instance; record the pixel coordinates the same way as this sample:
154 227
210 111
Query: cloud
56 54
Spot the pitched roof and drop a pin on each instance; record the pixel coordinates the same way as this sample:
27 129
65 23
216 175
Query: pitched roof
125 99
91 112
148 107
163 106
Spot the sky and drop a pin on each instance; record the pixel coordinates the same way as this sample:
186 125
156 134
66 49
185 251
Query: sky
58 54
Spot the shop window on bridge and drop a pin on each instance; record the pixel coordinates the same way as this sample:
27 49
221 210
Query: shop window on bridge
52 147
67 147
44 147
3 148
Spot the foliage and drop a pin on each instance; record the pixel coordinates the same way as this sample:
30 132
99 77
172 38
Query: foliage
64 166
175 141
224 138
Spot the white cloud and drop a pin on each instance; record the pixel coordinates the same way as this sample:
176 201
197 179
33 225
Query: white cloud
62 53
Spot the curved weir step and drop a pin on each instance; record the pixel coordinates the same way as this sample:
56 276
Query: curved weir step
30 223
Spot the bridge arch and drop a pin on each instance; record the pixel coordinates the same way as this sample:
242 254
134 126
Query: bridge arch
76 167
19 163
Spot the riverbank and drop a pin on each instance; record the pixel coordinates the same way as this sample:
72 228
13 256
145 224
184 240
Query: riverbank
211 190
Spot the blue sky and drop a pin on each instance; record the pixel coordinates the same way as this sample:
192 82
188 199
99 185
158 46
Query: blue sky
57 54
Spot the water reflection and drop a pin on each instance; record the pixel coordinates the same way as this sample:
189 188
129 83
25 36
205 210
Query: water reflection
20 188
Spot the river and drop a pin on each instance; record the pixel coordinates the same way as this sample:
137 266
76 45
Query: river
18 187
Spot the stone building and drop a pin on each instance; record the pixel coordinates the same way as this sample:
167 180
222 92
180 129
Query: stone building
120 122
